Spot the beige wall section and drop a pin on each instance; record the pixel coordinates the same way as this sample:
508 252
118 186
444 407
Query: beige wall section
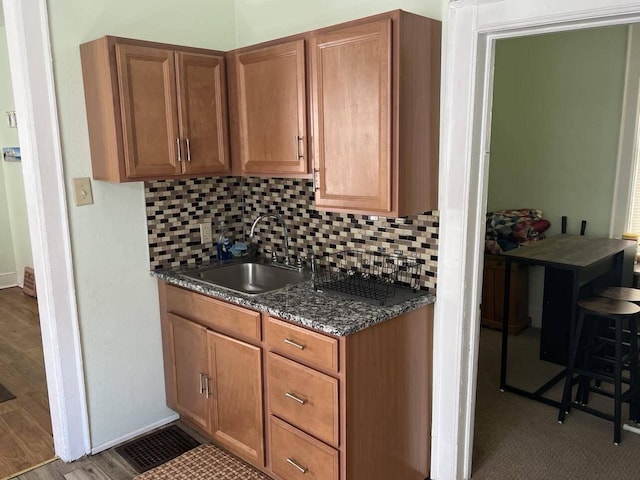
261 20
14 234
117 299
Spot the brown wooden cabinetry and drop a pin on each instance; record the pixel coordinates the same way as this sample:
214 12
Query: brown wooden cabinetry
268 94
214 381
375 87
376 381
188 351
154 110
293 424
493 294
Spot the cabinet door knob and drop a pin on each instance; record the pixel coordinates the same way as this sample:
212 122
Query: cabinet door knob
302 469
294 344
293 396
179 147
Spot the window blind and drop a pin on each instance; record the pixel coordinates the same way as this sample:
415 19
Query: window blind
633 223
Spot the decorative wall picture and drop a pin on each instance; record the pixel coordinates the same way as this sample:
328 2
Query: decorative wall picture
11 154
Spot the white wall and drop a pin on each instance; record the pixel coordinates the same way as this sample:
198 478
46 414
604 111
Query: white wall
117 299
15 244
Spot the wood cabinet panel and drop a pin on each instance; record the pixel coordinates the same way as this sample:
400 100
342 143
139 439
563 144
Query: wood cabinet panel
213 313
142 98
493 295
351 72
149 109
303 345
375 89
304 397
203 112
236 376
269 88
188 344
297 456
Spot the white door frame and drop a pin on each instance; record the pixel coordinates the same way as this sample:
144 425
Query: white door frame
473 27
34 94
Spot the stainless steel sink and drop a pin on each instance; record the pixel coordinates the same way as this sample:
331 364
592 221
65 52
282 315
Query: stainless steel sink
250 278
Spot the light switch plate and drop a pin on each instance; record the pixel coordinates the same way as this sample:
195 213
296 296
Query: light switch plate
206 235
82 193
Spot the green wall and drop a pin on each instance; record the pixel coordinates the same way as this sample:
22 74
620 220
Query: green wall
15 244
261 20
557 105
117 299
556 120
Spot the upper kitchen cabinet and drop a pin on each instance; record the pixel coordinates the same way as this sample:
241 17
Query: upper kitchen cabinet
268 109
375 87
154 111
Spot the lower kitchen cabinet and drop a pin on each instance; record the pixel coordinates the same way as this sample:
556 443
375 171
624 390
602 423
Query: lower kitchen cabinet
188 351
296 455
297 403
236 388
215 382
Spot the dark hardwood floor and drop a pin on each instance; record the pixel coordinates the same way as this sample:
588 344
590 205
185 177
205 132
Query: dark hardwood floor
25 424
107 465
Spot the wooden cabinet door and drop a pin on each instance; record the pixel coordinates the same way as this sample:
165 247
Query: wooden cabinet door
271 96
351 73
202 97
236 374
146 78
188 347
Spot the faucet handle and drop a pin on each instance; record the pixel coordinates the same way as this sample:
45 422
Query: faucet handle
274 255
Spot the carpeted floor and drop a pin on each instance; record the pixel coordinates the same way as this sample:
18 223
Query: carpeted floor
205 462
517 438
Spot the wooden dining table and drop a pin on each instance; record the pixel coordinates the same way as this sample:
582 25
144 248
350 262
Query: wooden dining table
573 265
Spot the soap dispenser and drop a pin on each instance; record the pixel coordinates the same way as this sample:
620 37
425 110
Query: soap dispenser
223 247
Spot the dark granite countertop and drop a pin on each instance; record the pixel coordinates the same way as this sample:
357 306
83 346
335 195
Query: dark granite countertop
301 304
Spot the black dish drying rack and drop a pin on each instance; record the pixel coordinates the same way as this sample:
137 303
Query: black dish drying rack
374 277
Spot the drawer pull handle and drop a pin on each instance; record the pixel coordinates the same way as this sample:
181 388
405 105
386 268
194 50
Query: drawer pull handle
302 469
294 344
293 396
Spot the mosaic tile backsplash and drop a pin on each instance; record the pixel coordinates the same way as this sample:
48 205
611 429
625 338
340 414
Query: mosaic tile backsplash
175 208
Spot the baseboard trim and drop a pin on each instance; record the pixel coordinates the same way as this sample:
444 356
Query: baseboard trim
8 280
136 433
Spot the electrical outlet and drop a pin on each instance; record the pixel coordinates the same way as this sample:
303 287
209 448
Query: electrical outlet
206 236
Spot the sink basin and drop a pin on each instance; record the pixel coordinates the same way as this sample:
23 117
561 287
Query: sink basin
247 278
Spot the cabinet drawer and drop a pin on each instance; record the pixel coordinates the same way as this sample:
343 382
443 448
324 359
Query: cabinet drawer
213 313
304 397
295 455
300 344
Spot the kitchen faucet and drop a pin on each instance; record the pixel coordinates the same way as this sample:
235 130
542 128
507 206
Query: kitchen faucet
280 219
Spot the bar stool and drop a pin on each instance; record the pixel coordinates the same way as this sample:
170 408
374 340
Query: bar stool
626 294
618 312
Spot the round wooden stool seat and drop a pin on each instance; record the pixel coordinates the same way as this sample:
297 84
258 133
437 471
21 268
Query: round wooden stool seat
620 293
608 306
